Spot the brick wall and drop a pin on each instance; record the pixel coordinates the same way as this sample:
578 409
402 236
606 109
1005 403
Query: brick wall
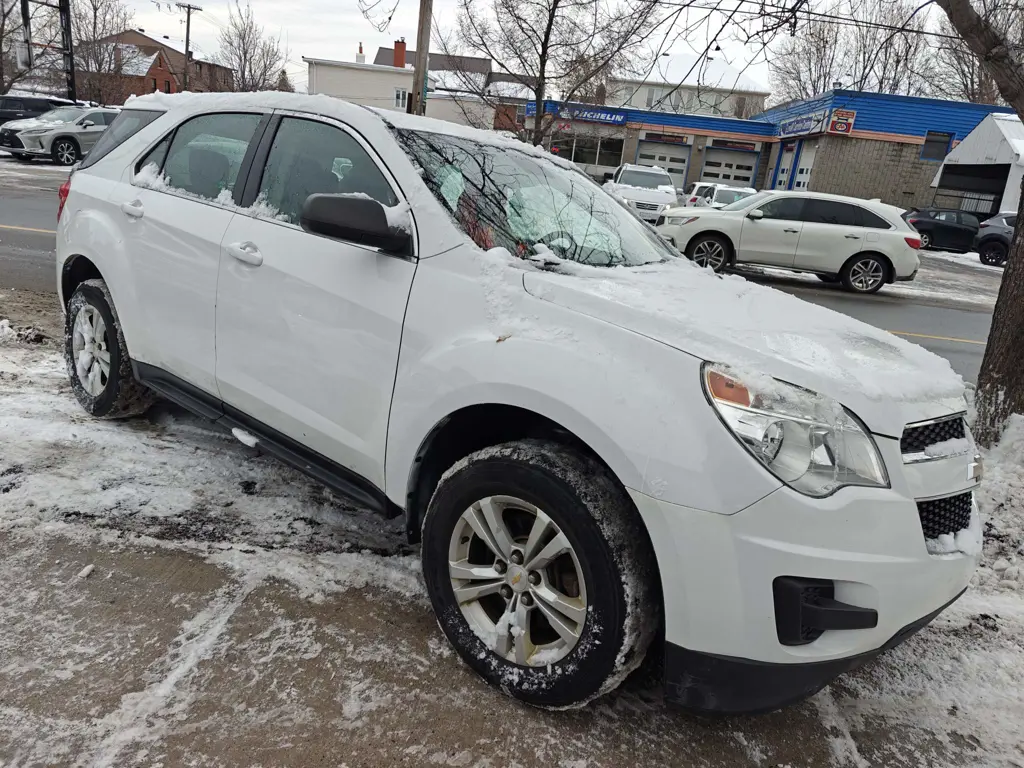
866 168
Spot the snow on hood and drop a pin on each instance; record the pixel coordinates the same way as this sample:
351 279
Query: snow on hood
30 123
661 195
885 380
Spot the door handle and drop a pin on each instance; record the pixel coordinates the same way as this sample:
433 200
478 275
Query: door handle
852 237
791 231
133 209
245 252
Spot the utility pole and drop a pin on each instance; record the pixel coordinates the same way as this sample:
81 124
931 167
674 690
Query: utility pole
63 8
418 102
188 38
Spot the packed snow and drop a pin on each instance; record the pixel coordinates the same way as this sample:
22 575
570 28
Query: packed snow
955 447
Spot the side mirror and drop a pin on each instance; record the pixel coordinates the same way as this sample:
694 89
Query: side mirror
756 214
87 123
357 219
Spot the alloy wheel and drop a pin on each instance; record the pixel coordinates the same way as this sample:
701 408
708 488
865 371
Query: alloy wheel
867 274
926 240
66 153
709 253
517 581
90 350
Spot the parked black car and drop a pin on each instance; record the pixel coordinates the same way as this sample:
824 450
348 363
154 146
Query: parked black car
944 228
993 241
22 107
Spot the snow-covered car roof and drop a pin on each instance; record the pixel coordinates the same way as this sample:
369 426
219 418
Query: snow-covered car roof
329 106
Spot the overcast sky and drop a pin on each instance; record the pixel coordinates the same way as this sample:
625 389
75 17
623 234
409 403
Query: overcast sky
329 29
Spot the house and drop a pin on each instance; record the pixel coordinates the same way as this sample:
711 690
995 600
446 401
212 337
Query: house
685 84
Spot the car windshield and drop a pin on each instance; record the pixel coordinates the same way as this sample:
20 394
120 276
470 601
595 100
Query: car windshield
747 201
500 196
62 114
728 196
646 179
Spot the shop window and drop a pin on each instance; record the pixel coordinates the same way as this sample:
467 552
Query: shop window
610 152
647 156
936 145
586 152
713 164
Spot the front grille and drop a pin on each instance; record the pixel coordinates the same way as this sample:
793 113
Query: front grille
916 438
9 138
947 515
647 206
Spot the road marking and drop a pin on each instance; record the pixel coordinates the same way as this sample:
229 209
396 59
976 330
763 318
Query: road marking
29 229
938 338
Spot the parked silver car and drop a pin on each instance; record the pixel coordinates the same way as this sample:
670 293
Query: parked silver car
64 134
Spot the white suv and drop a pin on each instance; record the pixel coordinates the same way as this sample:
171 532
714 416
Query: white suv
648 190
861 243
596 442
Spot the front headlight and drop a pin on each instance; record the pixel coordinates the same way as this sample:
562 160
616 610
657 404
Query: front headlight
810 442
35 132
678 221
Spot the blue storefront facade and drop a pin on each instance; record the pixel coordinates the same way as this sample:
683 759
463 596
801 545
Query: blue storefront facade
844 142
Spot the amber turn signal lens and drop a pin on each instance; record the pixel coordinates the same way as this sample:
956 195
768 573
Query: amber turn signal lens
727 390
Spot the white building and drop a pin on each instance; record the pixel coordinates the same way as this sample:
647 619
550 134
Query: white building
983 172
687 84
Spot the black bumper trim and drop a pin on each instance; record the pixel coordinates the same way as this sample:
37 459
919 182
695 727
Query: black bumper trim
728 685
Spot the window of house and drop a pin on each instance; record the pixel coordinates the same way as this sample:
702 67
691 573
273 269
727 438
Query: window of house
785 208
520 114
653 94
936 145
205 153
159 61
401 98
167 86
153 83
308 158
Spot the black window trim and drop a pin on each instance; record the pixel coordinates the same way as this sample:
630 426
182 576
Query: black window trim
243 168
254 178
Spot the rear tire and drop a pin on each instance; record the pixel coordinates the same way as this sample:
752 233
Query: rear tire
993 254
97 357
926 240
65 152
864 274
709 251
556 634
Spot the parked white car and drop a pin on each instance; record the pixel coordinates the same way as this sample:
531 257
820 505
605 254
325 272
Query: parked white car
595 441
646 189
863 244
721 195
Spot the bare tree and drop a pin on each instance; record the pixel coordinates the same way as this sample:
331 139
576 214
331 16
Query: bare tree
562 45
108 71
256 58
1001 381
806 65
44 34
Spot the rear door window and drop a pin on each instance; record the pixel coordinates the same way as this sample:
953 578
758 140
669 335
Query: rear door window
831 212
204 155
970 220
785 208
125 125
869 219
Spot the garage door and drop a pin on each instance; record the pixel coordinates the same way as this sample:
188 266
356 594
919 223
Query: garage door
668 156
805 164
785 166
724 166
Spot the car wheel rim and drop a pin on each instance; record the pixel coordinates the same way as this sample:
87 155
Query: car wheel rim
517 581
866 275
89 350
709 253
926 240
65 153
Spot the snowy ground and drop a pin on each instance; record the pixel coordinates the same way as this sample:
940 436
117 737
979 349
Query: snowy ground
237 614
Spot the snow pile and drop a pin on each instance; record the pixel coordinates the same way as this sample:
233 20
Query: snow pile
1001 500
151 177
10 334
7 334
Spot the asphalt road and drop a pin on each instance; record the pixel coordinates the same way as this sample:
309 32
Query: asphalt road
947 310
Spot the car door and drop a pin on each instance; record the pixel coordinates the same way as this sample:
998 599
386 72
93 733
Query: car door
308 327
969 226
831 234
174 207
945 229
11 109
88 129
773 238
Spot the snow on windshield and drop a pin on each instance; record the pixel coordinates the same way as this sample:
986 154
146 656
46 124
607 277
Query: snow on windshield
502 198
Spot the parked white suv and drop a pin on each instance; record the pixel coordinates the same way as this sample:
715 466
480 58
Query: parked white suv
648 190
863 244
596 442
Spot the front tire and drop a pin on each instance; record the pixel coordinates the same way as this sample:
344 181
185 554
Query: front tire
993 254
864 274
554 572
709 251
65 152
97 357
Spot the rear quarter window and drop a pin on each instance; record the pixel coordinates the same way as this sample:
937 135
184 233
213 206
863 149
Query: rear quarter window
125 125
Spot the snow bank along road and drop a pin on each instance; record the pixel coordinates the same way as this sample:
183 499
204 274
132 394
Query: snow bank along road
172 598
947 309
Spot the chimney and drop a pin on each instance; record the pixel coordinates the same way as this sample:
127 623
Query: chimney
360 58
400 53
